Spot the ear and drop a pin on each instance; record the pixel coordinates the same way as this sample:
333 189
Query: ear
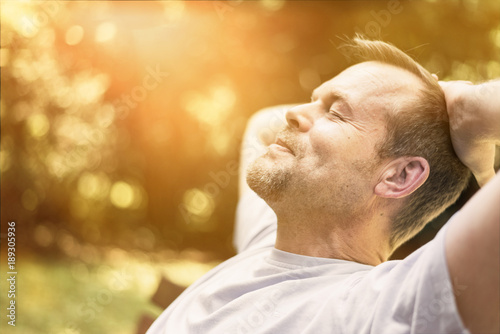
402 177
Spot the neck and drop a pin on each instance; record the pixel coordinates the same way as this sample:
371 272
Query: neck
363 240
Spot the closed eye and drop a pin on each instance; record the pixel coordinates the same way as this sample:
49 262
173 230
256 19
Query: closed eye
336 115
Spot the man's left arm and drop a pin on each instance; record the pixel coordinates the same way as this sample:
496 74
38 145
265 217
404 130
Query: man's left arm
474 114
473 237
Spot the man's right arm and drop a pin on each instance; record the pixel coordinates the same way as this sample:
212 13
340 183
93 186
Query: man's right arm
473 237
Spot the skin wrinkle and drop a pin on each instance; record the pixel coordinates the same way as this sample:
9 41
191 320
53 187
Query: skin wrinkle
323 195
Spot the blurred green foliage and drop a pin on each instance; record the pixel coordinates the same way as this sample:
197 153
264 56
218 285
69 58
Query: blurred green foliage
121 121
107 295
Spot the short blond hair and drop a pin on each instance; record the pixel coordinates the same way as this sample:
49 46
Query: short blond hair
420 128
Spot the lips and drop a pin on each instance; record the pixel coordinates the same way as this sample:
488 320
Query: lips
281 143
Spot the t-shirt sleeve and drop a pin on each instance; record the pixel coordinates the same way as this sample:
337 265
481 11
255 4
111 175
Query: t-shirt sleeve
256 223
414 295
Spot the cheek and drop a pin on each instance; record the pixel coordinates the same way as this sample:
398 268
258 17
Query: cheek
337 144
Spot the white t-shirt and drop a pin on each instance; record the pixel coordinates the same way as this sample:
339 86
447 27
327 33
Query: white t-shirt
265 290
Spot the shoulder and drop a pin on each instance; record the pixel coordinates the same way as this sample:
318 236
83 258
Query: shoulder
411 295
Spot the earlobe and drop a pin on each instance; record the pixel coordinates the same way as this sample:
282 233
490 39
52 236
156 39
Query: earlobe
402 177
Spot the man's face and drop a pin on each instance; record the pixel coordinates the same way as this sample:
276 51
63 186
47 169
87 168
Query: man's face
326 157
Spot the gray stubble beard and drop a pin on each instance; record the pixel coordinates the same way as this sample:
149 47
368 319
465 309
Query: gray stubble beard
269 183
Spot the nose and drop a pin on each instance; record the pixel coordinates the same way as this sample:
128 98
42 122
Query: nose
299 118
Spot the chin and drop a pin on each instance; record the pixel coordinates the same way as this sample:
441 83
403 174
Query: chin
269 179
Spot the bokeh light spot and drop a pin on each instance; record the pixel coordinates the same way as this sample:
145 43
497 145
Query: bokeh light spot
272 5
5 160
122 195
74 35
93 186
493 68
200 206
105 116
90 89
38 125
211 109
495 36
104 32
144 238
283 43
185 272
43 235
68 244
220 141
173 10
309 79
198 202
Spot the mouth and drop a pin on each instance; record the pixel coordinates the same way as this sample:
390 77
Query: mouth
281 145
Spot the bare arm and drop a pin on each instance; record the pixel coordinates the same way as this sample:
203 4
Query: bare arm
472 253
473 237
474 112
255 221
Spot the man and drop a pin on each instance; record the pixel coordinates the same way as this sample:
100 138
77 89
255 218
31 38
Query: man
355 173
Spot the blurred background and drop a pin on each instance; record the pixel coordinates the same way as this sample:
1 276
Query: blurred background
121 124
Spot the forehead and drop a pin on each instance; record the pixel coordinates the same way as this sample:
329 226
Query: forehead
372 86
